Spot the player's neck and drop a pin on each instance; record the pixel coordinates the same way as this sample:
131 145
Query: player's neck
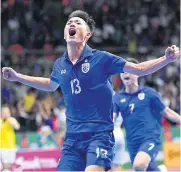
74 51
132 88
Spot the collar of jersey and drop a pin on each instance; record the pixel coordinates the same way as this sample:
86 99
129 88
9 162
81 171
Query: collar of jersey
124 92
87 52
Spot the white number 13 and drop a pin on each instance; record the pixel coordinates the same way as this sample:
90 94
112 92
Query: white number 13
75 86
131 107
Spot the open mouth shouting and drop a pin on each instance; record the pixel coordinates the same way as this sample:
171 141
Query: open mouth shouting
72 31
126 78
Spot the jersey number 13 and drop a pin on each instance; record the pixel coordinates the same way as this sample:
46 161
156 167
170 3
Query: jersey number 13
75 86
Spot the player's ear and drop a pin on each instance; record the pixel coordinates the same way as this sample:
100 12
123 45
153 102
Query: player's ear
89 34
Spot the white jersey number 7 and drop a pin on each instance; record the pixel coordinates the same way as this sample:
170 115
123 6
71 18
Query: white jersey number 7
132 105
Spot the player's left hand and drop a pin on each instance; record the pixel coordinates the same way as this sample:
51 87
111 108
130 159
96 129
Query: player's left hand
172 53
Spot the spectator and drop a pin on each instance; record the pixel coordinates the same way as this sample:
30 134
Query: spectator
45 137
153 22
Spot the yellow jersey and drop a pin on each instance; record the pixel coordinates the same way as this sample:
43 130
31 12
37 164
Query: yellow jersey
29 100
7 135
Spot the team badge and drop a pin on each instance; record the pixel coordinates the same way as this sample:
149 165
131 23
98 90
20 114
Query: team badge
85 67
141 96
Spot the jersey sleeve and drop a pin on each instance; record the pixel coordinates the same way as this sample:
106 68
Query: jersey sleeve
156 102
54 74
114 64
115 108
115 104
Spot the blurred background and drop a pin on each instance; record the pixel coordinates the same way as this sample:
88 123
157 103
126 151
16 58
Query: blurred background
32 39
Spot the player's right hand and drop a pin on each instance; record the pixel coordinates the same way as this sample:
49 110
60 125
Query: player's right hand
9 74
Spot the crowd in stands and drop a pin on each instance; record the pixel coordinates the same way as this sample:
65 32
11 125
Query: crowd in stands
135 25
40 24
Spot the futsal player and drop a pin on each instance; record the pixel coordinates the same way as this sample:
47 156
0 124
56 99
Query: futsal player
7 138
83 74
142 109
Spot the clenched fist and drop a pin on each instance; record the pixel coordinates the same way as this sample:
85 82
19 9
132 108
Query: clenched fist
172 53
9 74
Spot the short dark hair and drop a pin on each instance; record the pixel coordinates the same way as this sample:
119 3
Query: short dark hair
85 16
132 60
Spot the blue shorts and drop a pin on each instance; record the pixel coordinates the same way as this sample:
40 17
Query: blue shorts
87 148
151 147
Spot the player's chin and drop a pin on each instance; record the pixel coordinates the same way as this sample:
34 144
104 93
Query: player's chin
127 83
72 41
75 41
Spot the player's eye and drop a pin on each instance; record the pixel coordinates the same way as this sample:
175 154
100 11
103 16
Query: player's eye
68 23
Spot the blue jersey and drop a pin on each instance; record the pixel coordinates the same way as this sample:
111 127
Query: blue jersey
86 89
141 114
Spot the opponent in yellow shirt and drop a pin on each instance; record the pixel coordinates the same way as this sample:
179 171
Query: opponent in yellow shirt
7 134
7 137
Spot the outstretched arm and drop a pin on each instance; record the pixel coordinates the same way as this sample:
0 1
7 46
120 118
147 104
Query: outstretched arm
171 115
40 83
158 107
151 66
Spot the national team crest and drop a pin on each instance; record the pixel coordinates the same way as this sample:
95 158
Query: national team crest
85 67
141 96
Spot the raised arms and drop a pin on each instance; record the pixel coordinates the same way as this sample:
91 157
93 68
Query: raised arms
40 83
151 66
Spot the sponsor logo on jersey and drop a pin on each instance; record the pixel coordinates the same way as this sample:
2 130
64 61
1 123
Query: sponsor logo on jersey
123 100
